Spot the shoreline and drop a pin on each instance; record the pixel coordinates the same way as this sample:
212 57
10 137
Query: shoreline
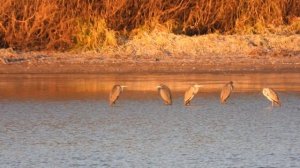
145 68
161 52
66 63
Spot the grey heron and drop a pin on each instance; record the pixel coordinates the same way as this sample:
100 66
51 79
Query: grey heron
271 95
115 93
226 91
190 93
165 94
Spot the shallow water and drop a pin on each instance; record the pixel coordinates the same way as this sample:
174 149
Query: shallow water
47 124
70 86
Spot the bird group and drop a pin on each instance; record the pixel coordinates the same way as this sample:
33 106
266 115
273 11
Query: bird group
165 94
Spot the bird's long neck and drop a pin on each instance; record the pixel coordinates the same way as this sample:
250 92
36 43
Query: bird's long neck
231 87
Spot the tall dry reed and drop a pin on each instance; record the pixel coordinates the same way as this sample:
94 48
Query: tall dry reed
92 24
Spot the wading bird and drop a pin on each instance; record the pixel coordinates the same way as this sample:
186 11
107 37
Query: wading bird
272 96
190 93
165 94
226 91
115 93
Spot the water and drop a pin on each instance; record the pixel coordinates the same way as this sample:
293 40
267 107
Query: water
65 121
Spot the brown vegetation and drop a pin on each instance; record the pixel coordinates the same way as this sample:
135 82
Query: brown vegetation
94 24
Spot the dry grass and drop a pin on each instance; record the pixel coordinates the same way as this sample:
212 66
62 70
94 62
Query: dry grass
94 36
93 24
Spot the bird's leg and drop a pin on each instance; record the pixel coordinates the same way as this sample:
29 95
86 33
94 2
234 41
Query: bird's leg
272 104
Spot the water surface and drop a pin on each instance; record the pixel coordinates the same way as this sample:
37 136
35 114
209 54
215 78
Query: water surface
65 121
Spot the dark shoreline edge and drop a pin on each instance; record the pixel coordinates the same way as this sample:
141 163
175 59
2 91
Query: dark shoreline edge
146 68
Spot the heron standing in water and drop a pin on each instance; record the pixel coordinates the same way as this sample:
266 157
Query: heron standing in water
190 93
115 93
272 96
226 91
165 94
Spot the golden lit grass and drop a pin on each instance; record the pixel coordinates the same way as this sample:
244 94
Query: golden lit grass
92 24
94 35
168 46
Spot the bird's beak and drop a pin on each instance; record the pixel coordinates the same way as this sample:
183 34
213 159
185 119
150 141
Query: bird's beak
123 86
158 86
199 86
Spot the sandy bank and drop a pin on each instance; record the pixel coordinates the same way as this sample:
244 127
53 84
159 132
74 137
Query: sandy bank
166 53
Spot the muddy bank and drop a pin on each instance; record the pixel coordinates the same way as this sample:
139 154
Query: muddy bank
167 53
105 68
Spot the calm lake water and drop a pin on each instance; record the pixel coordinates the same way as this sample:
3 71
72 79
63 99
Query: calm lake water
65 121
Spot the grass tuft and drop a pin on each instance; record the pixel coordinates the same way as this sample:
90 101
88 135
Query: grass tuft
94 35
